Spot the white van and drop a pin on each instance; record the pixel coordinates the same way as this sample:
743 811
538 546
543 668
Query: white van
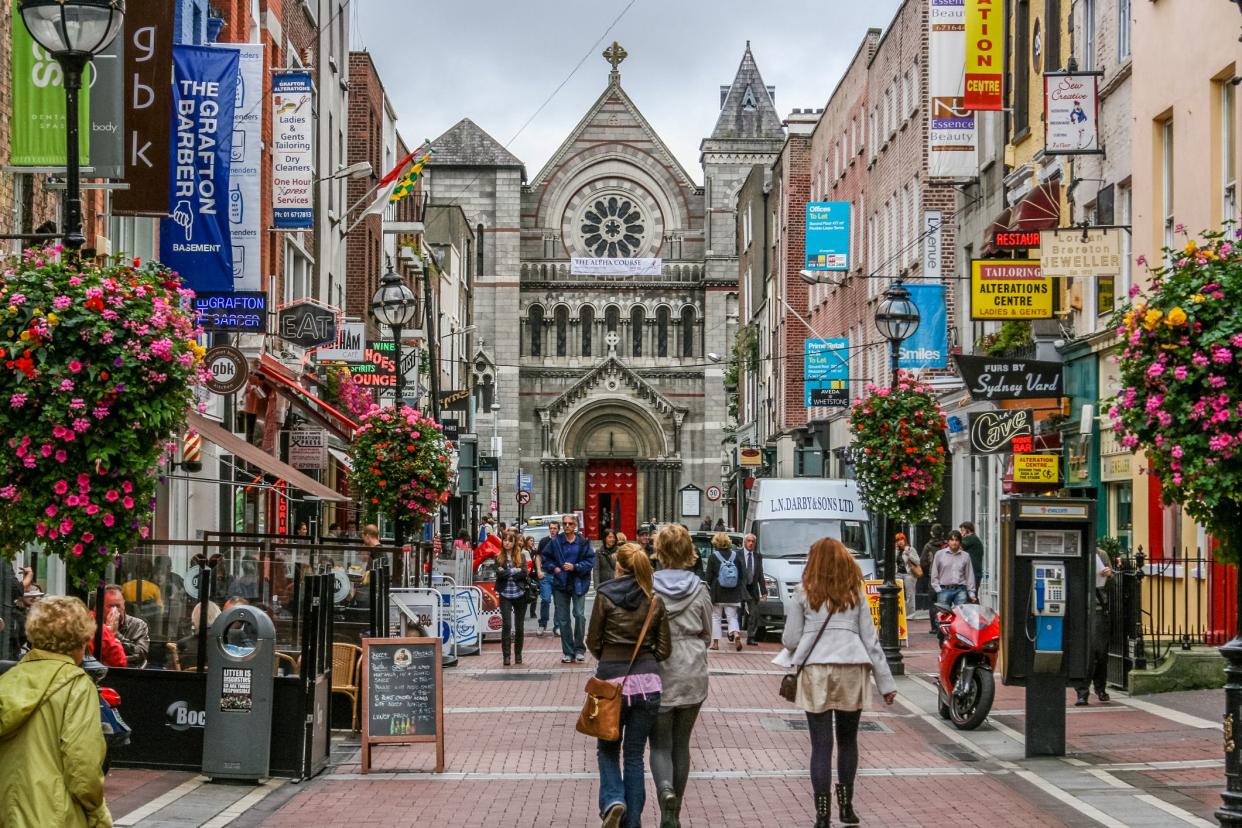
787 516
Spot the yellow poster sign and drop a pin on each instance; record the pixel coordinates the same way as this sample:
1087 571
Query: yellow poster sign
872 589
985 21
1036 468
1009 289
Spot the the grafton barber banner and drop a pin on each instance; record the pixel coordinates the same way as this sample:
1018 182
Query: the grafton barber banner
194 237
245 207
994 379
38 123
1009 289
828 235
1071 113
243 311
293 136
617 266
951 132
995 432
1075 253
929 346
985 33
826 373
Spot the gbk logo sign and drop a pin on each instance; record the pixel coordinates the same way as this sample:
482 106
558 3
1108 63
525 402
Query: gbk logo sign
181 717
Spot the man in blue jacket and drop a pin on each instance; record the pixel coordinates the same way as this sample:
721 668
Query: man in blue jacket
568 559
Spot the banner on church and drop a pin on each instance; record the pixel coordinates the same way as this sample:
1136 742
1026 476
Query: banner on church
195 238
616 266
951 131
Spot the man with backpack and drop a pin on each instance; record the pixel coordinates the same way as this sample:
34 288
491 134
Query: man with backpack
726 579
568 559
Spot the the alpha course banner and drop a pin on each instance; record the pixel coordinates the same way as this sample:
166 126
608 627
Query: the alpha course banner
617 266
194 237
929 346
985 21
293 141
951 130
39 104
245 208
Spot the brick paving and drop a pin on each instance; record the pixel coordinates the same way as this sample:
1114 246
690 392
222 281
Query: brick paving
513 756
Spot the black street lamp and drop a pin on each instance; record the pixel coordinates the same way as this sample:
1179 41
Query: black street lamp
73 32
897 318
395 305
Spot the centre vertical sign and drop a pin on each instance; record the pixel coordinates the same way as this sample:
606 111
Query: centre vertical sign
984 66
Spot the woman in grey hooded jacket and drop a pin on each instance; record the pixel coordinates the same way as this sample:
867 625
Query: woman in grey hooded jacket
689 607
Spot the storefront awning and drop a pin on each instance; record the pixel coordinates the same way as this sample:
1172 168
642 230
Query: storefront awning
1040 209
342 458
285 382
255 456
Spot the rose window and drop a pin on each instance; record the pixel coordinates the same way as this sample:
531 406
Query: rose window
612 226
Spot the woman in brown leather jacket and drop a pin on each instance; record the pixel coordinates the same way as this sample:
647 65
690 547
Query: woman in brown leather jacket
618 619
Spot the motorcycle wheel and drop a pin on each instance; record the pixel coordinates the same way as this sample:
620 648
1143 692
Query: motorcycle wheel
969 712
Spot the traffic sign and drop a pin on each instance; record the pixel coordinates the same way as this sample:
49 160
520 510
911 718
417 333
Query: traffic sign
523 497
713 493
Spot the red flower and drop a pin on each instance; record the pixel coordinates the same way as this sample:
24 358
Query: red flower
94 303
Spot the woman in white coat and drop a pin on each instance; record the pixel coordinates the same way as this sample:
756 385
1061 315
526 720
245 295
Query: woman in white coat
830 638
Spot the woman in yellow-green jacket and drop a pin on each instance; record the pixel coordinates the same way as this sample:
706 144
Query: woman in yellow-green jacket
51 743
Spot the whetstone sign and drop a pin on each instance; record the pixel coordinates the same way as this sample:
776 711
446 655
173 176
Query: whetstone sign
402 694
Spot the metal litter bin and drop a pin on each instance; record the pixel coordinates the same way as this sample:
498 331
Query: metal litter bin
241 666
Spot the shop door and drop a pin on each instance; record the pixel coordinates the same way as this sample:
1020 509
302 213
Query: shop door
611 498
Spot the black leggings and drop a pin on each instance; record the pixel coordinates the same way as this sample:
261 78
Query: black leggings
821 727
513 620
670 747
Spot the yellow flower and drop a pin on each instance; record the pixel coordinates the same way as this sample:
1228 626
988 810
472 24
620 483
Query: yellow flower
25 337
1191 247
38 311
1207 254
1197 298
1152 318
53 319
12 310
1176 317
1128 319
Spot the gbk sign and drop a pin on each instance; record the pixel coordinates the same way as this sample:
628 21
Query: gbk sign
307 323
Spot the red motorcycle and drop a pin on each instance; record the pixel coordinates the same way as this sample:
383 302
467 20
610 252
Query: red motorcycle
969 643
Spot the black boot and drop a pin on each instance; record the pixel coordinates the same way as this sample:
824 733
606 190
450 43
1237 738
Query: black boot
823 811
845 803
669 807
1082 699
517 652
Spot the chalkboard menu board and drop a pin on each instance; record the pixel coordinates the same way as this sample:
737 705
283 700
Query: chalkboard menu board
402 694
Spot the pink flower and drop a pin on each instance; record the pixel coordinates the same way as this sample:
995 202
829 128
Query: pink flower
75 366
92 509
66 385
1155 370
61 455
87 537
1221 355
127 502
77 549
1141 261
1177 452
126 486
17 400
108 519
61 487
112 495
1180 372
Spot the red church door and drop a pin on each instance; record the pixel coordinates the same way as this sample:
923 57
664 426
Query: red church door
611 498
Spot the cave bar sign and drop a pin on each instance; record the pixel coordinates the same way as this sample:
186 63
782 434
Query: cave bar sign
1008 289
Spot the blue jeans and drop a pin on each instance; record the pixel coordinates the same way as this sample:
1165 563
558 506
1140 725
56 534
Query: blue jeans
545 601
573 638
952 596
638 716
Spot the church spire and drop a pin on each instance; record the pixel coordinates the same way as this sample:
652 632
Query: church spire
747 108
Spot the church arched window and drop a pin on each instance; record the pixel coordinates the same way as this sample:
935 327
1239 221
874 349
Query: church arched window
687 331
587 317
612 318
562 331
534 325
662 322
638 320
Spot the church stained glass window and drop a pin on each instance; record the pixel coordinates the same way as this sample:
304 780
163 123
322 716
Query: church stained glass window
612 226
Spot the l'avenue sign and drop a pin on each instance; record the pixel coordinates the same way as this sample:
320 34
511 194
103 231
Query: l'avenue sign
993 379
995 432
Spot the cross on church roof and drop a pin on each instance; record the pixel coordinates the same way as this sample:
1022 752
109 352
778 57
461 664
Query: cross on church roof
614 54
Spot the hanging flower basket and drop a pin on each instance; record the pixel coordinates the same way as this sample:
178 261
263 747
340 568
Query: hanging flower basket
897 452
97 368
401 465
1181 382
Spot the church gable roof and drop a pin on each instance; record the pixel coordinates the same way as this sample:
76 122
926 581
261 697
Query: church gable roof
613 112
466 144
615 368
748 110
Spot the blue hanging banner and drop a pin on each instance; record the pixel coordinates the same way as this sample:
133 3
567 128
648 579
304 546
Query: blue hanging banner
929 347
826 373
194 237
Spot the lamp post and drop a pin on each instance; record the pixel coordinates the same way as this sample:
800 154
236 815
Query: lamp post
395 305
897 318
73 32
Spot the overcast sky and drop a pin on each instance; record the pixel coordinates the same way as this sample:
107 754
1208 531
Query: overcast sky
496 61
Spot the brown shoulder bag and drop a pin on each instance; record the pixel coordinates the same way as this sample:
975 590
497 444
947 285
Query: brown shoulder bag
789 681
601 712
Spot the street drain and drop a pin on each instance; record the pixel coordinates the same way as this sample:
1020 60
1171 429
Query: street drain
787 725
513 677
956 752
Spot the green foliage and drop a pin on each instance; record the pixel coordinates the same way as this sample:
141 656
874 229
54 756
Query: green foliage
1016 333
401 465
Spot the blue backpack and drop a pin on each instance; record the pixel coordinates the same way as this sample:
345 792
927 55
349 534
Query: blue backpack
727 577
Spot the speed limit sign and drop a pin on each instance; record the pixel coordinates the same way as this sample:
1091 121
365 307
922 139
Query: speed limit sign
523 497
713 493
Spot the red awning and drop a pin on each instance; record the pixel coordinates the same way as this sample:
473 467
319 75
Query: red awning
1040 209
285 381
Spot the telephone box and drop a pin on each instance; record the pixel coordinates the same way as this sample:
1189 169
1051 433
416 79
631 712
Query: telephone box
1048 573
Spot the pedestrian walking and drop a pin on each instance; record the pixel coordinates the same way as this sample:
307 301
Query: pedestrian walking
1098 627
512 576
726 580
51 745
756 588
684 673
974 548
528 544
606 559
645 533
706 524
907 565
568 558
545 581
830 638
629 636
953 575
926 555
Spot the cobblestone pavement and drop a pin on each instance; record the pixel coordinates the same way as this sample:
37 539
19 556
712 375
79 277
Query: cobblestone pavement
513 758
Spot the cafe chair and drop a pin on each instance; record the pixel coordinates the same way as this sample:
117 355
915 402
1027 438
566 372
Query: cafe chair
346 663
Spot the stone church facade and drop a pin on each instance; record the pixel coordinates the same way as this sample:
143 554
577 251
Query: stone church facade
609 389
